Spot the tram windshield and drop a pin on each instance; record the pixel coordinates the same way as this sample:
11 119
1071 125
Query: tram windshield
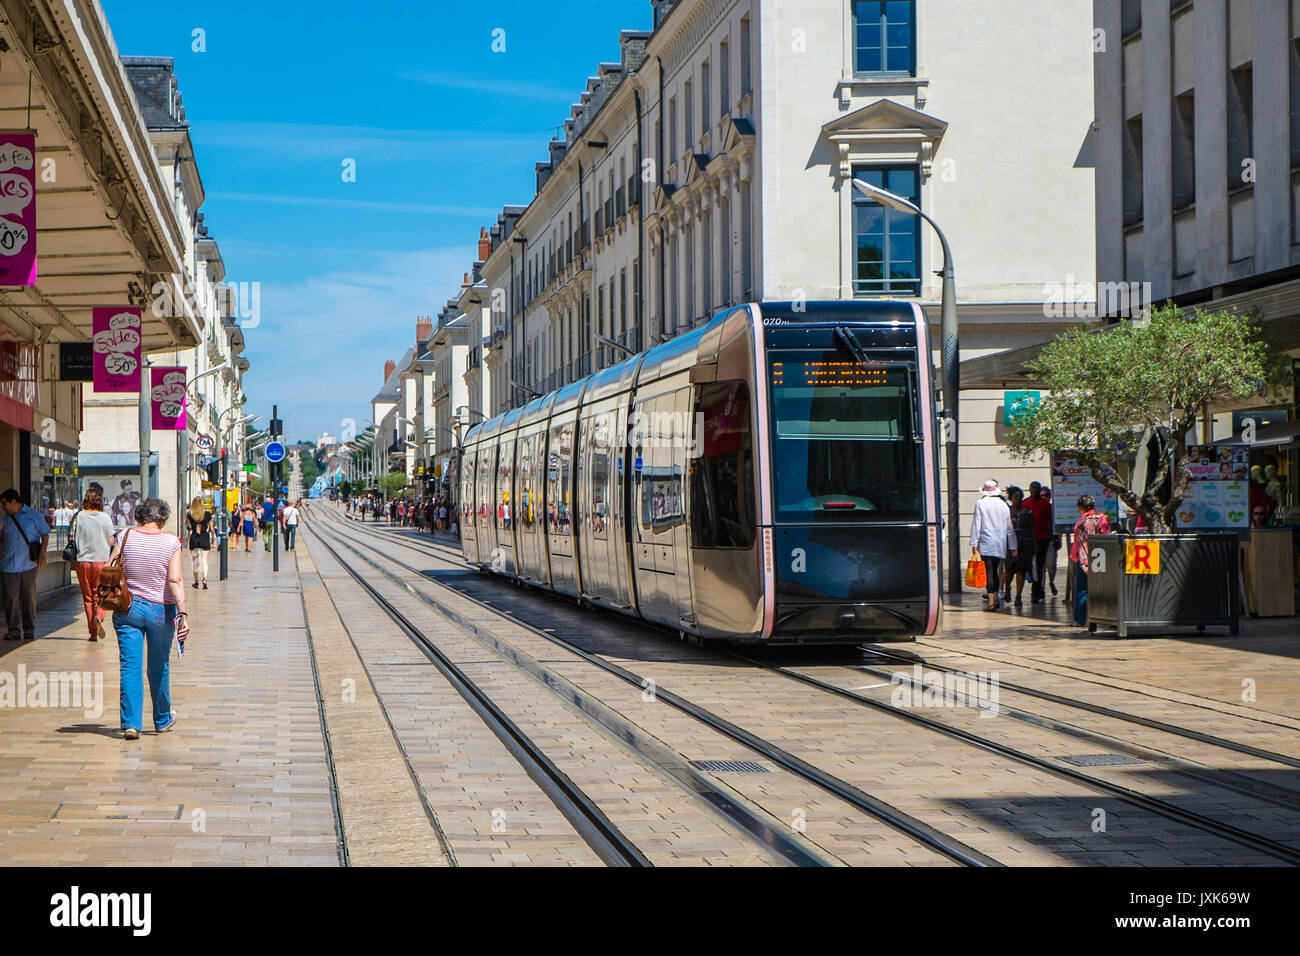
845 443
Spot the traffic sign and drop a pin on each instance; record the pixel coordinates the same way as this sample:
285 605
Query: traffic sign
275 451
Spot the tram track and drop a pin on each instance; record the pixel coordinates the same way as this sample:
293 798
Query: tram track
606 840
1256 790
881 810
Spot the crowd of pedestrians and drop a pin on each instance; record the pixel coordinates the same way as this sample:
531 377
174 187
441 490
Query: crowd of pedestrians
431 513
1014 536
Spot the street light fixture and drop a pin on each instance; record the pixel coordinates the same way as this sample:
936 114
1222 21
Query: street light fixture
951 361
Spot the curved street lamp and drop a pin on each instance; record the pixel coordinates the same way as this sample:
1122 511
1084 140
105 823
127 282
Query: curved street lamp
951 358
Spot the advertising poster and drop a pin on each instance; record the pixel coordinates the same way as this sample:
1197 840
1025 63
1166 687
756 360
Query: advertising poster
1070 479
17 209
1218 496
167 398
115 335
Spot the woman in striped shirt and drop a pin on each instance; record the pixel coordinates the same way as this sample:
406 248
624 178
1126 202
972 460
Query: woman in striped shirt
152 569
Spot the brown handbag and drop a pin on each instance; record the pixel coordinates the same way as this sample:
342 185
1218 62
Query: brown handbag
114 595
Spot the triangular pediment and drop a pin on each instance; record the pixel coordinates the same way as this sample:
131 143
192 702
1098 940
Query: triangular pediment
740 132
885 118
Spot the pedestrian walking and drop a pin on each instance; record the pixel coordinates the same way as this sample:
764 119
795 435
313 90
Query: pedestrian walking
92 533
1053 546
992 537
249 520
199 525
62 520
236 525
24 536
1022 522
401 512
1089 522
152 572
291 524
266 520
1043 527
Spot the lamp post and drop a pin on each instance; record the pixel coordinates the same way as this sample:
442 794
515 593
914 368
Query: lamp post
951 359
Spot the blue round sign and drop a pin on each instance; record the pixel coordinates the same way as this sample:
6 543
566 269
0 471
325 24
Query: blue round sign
275 451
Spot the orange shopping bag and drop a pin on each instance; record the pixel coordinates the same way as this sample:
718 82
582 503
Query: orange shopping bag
976 577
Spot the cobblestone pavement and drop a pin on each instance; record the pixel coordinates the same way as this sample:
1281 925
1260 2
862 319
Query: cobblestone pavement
312 730
244 777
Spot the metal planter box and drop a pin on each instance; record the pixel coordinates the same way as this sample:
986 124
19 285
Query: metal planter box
1163 580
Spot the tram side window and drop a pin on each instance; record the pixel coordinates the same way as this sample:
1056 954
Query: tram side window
722 476
599 491
557 475
504 504
467 489
526 481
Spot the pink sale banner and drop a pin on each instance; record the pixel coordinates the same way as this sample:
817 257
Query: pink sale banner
167 398
115 334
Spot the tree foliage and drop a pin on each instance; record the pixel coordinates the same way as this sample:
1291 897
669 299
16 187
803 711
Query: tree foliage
393 484
1123 386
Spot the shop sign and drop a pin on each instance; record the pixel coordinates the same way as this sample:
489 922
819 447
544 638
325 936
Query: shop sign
1141 556
205 442
167 398
76 362
116 339
1016 405
17 208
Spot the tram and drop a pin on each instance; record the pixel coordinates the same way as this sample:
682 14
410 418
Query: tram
770 477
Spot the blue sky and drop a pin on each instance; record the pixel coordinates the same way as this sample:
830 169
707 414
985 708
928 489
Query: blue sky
444 132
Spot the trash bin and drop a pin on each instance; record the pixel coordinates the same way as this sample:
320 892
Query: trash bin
1163 581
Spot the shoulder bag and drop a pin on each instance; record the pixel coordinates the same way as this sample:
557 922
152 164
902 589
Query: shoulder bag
70 550
33 547
114 595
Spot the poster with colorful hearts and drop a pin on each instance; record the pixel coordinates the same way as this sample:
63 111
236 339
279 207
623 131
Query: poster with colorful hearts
167 398
1215 505
17 208
115 334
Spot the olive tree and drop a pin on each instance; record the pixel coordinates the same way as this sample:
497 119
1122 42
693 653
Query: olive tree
1138 381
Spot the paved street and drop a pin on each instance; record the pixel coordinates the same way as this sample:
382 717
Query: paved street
389 763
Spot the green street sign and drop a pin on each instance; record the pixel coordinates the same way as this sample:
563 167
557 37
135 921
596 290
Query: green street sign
1015 405
250 468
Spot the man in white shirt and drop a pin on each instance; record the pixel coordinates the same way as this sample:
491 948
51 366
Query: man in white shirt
289 519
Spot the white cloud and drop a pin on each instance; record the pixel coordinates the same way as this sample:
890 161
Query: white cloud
518 89
319 351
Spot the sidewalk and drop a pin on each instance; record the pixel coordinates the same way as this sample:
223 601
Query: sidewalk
243 779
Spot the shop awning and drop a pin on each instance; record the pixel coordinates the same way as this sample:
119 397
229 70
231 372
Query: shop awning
1281 436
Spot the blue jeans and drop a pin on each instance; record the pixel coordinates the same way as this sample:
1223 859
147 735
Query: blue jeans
152 624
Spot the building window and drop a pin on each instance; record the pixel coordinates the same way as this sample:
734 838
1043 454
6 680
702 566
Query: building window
885 36
1184 150
1133 171
746 73
724 77
1240 118
672 130
887 242
688 105
705 79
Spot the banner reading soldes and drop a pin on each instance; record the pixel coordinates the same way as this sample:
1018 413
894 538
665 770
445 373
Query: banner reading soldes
167 398
17 208
116 335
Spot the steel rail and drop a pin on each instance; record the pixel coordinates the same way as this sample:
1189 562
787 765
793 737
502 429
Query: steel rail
871 805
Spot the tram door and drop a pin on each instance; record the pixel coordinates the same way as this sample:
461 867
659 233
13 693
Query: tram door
503 559
465 495
680 450
658 500
484 513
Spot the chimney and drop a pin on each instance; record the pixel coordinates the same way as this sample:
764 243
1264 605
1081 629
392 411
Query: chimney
389 367
484 245
423 330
